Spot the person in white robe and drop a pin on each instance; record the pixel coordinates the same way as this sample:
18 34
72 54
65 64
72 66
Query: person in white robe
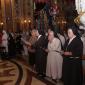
83 40
54 58
24 38
5 41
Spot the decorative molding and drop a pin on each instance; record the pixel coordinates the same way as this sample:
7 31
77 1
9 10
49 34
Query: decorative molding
14 12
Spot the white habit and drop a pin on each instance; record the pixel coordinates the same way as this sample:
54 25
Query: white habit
54 60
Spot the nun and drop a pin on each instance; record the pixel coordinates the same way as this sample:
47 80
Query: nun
54 58
72 62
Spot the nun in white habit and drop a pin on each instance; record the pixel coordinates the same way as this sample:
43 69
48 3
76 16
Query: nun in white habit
54 58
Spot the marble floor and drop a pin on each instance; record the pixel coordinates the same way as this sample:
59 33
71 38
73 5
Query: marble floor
12 72
37 82
17 72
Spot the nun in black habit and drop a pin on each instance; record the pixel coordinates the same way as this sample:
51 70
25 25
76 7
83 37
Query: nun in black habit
72 64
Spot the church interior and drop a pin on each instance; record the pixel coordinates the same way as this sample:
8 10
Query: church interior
19 19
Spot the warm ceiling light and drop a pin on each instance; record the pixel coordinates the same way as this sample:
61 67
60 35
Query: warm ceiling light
25 21
29 21
1 23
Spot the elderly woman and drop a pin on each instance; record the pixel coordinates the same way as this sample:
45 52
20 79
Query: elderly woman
72 64
54 58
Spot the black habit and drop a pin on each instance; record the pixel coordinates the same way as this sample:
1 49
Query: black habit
72 65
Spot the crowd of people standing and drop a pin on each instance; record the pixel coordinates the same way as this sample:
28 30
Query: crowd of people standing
10 44
55 55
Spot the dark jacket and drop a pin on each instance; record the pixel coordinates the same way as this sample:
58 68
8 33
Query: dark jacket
76 47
